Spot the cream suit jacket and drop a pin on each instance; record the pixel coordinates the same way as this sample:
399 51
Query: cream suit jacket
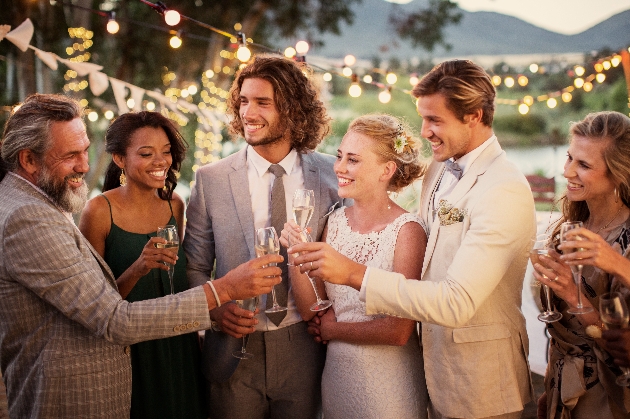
63 324
469 299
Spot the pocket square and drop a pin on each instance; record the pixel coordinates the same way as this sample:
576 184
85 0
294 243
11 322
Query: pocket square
450 215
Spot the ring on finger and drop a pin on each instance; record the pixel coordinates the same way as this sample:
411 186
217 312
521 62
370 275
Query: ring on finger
556 278
312 266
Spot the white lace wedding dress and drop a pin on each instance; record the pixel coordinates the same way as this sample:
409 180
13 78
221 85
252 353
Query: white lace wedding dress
369 381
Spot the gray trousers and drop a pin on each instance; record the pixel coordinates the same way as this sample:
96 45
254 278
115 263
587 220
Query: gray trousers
281 381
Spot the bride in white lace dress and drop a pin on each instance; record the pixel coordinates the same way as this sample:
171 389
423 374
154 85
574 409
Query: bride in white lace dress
374 366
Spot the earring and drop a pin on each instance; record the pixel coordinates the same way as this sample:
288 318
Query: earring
616 192
122 178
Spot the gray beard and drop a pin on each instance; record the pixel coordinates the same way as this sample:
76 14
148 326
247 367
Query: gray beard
66 198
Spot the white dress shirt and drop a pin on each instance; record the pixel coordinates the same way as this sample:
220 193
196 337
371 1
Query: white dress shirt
260 184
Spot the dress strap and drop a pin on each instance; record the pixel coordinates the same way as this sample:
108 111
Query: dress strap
171 207
111 217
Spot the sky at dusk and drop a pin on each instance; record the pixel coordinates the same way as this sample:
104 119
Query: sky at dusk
562 16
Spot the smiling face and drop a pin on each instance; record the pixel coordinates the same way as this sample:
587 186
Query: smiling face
147 159
360 171
586 172
65 164
262 123
449 137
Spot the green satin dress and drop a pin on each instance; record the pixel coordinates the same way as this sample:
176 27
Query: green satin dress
166 373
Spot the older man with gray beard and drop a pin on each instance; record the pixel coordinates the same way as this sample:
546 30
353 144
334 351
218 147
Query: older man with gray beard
64 329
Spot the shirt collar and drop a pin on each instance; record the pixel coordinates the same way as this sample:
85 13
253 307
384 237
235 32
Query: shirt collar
262 165
467 159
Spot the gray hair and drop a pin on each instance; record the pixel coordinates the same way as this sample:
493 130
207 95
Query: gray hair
28 127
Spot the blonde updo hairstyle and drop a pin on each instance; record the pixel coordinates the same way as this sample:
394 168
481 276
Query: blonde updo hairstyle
393 141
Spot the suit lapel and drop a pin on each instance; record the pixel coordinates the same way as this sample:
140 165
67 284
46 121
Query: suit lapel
239 186
465 184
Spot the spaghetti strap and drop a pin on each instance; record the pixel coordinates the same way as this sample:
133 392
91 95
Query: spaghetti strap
171 207
111 216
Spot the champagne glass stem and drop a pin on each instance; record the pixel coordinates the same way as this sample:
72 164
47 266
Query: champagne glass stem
319 300
171 270
578 282
273 296
547 297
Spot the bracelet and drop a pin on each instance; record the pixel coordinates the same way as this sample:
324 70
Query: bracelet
214 291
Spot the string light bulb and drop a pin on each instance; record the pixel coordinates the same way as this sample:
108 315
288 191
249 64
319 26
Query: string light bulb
349 60
93 116
327 76
509 82
552 103
172 17
367 79
355 88
413 79
391 78
290 52
302 47
579 71
600 77
523 108
385 95
243 53
112 26
346 71
176 40
533 68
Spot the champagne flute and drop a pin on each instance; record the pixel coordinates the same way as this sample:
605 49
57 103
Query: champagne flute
248 304
169 233
541 247
614 313
320 304
266 244
303 207
575 269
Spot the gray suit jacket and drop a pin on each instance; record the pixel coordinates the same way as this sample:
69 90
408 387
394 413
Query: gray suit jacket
63 325
220 228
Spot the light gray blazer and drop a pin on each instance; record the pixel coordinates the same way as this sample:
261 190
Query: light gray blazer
469 300
220 228
63 324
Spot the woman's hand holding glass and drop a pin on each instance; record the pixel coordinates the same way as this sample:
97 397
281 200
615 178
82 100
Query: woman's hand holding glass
614 314
553 272
541 247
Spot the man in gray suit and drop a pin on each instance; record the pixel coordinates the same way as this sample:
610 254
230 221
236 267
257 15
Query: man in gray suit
63 325
274 106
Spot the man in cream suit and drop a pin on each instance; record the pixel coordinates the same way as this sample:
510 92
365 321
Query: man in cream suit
274 106
64 329
481 220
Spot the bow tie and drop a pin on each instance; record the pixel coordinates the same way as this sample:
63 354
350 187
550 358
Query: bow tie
454 168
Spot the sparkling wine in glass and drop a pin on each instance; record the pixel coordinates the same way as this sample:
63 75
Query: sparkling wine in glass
248 304
267 243
303 207
575 269
614 314
541 247
169 233
320 304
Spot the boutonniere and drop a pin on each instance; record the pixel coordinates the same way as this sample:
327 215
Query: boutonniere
449 214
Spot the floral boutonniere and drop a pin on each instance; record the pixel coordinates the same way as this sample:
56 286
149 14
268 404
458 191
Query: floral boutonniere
449 214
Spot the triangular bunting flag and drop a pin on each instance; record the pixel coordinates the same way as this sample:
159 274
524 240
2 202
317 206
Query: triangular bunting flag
48 58
119 93
21 36
99 82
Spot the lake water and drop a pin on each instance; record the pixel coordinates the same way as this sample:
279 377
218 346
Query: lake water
548 160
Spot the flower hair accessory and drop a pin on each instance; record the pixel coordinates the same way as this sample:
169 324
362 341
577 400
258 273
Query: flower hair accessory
448 214
401 140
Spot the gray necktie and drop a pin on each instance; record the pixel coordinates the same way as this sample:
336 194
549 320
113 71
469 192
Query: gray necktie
278 218
454 168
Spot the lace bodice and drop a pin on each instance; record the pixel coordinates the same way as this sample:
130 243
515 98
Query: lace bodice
373 249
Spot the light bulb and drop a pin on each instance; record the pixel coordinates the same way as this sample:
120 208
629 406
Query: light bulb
171 17
349 60
327 77
391 78
552 103
367 78
523 108
385 96
109 115
175 42
93 116
290 52
354 90
243 54
347 71
112 26
302 47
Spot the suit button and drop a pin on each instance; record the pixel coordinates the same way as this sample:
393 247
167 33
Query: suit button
176 329
127 350
196 324
189 325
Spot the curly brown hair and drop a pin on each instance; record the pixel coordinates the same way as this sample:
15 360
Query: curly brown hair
386 131
295 97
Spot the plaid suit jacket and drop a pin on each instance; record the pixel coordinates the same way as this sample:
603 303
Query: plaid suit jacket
63 324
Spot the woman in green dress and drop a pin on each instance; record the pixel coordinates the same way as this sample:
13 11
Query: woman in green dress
121 225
